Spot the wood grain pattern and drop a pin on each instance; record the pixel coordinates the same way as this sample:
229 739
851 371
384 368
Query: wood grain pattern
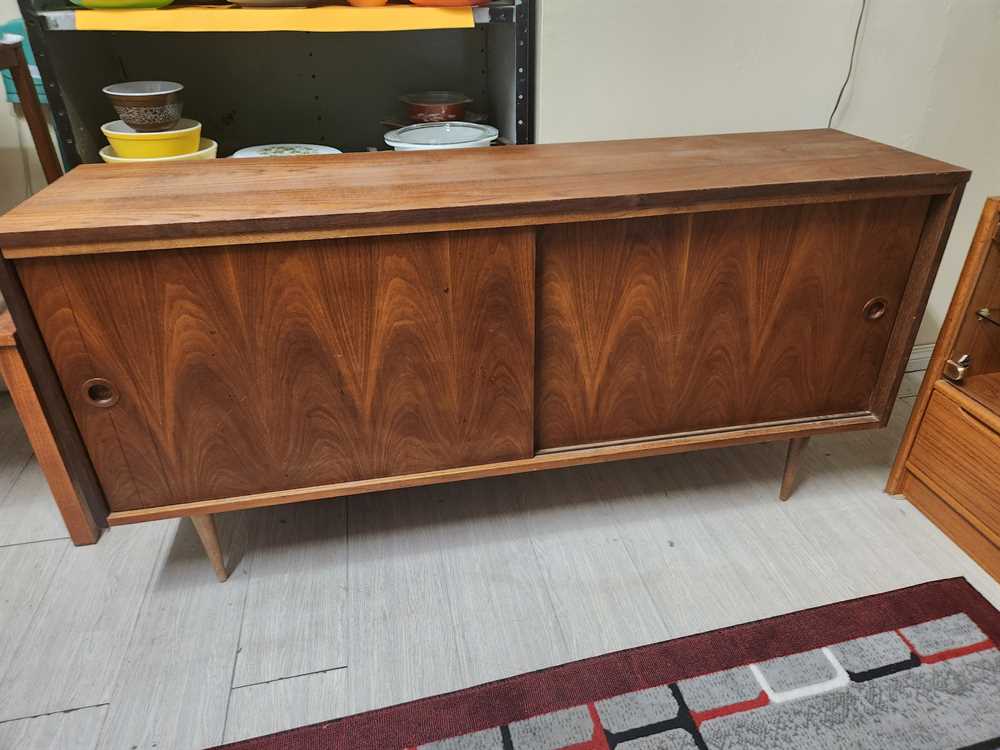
67 730
15 451
373 193
265 708
557 459
956 451
172 688
500 603
978 338
594 585
78 519
7 330
660 325
793 461
933 240
45 382
952 523
397 568
12 58
97 591
205 527
956 318
29 515
985 389
946 464
298 557
243 372
26 571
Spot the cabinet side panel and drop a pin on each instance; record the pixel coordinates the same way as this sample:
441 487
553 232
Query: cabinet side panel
709 320
247 370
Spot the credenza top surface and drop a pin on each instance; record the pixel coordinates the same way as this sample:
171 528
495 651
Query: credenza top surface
470 187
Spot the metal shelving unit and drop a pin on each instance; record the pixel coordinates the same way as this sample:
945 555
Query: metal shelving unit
273 84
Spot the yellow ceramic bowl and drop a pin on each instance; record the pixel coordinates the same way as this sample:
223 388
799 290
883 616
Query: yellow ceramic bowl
182 138
206 150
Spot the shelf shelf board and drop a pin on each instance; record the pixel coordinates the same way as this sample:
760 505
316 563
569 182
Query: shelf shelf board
327 18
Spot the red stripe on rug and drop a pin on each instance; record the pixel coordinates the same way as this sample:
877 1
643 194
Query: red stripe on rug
733 708
598 740
950 653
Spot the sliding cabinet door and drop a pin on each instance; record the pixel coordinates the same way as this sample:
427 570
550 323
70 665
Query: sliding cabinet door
211 373
703 321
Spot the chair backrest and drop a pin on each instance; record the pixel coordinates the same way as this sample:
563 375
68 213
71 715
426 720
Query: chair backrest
12 58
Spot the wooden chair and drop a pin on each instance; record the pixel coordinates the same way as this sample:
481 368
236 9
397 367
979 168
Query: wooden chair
12 58
76 515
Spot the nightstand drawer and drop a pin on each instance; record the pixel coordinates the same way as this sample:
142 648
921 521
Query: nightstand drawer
958 453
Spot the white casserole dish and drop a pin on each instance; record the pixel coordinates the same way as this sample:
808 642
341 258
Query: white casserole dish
441 135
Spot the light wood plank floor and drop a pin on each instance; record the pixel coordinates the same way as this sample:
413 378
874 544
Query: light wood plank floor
342 606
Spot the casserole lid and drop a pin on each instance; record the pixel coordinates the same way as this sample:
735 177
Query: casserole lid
441 134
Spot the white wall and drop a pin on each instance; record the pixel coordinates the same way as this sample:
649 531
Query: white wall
924 79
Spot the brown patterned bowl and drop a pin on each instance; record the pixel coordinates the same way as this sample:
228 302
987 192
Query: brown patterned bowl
147 106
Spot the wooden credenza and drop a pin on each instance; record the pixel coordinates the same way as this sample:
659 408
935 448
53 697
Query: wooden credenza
210 336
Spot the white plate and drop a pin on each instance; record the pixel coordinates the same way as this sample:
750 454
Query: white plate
285 149
440 135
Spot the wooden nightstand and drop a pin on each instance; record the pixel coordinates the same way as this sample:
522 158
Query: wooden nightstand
949 462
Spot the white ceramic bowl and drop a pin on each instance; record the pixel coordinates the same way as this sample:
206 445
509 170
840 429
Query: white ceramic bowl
427 136
206 150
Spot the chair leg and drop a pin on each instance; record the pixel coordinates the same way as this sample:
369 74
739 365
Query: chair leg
205 526
793 460
75 514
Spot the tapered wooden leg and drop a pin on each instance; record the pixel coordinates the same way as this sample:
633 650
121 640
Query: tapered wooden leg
205 526
793 460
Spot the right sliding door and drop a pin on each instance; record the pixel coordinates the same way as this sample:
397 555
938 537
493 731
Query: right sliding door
687 322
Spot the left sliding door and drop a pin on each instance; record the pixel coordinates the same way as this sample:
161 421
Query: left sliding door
220 372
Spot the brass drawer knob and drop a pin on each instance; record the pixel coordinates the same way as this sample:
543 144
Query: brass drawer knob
875 308
100 393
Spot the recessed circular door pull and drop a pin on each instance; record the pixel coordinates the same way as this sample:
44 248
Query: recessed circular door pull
100 393
875 308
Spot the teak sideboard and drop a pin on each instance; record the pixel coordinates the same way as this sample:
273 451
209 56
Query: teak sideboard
210 336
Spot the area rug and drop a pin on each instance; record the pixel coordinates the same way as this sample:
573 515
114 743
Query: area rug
912 669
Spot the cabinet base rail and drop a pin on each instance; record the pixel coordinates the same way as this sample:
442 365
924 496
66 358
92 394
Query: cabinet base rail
771 432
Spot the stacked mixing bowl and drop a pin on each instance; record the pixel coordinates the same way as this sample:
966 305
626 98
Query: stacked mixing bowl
151 128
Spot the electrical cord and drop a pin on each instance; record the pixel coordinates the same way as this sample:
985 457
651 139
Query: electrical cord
850 67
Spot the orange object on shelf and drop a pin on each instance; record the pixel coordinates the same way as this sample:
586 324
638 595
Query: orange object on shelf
449 3
325 18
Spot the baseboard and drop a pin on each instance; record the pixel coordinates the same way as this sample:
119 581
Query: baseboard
920 358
